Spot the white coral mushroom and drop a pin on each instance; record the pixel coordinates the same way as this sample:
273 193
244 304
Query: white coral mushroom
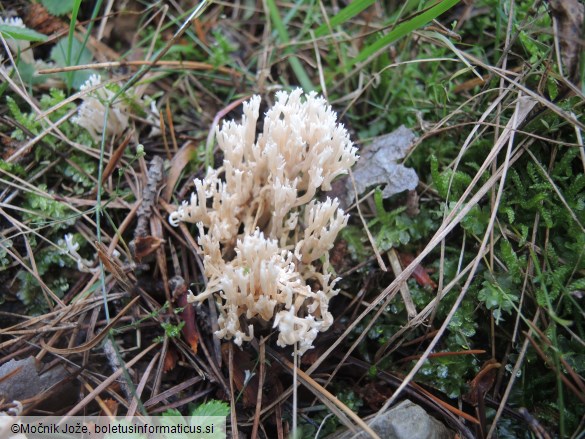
91 112
258 212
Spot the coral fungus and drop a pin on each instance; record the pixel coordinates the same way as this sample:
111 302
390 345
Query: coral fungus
264 237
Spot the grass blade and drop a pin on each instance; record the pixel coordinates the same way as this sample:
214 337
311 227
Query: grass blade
74 13
294 62
405 28
344 15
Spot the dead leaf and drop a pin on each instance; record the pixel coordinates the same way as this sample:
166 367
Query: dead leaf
420 274
178 163
145 245
116 156
109 407
483 381
375 394
190 330
170 360
378 165
568 15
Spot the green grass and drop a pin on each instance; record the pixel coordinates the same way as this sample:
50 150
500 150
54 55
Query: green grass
501 231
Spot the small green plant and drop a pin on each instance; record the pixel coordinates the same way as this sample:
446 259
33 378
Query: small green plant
5 245
204 418
210 408
204 421
172 331
497 296
58 7
395 228
74 49
49 264
42 204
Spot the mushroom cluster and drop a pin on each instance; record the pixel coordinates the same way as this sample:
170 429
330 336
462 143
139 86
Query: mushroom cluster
91 112
264 237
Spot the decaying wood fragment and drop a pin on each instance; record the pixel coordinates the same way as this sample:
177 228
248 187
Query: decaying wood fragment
155 175
568 25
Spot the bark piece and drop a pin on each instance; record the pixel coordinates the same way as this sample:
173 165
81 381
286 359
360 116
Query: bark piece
378 165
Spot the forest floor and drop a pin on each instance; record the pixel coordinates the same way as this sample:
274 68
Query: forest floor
461 271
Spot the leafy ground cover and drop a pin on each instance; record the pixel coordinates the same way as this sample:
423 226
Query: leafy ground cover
489 247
